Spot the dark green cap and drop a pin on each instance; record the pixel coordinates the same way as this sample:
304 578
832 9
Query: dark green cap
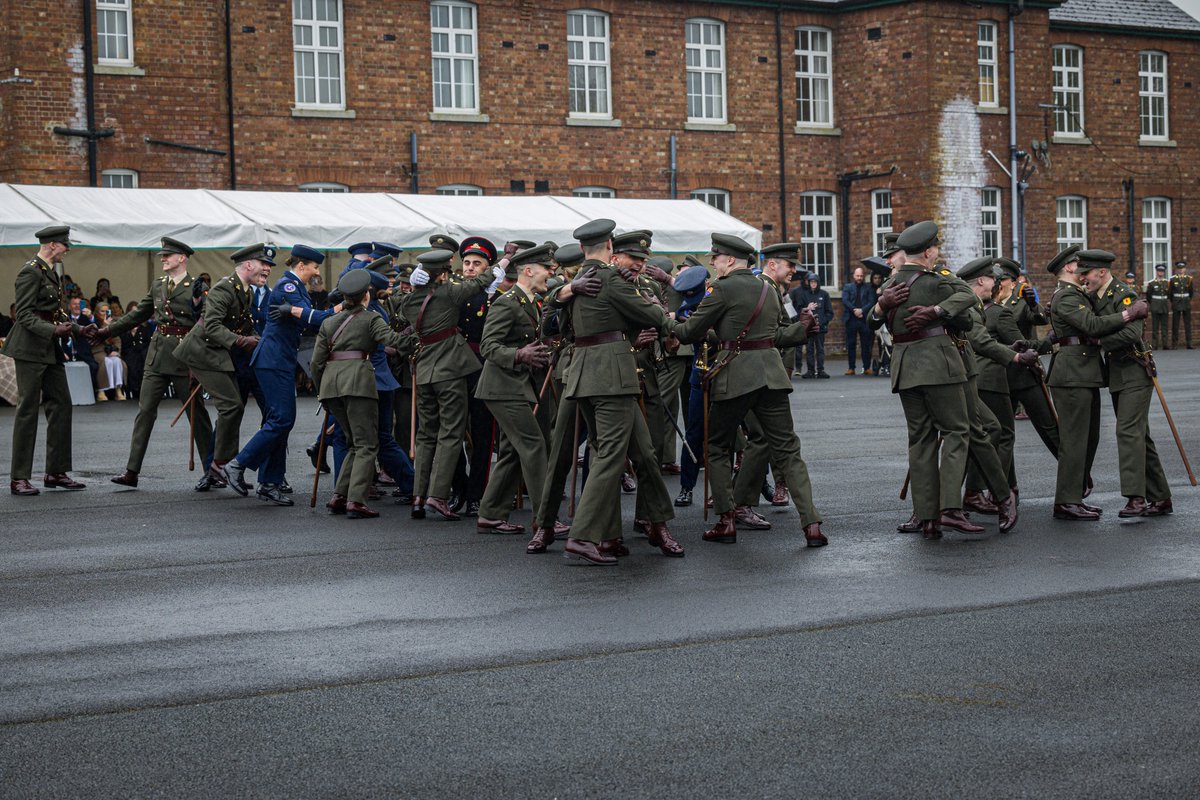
263 251
634 243
55 233
542 254
1094 259
522 244
384 266
444 241
569 255
436 260
1008 267
354 283
1063 258
691 261
977 268
174 246
890 247
788 251
918 238
732 246
662 262
598 231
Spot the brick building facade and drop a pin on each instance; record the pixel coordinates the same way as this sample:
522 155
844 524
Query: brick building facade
797 111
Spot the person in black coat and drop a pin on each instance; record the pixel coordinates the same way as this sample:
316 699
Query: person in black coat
809 295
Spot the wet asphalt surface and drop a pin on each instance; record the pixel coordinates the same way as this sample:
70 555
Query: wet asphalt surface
160 642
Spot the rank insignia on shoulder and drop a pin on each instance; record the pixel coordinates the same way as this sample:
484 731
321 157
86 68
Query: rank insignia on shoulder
289 287
944 271
1127 300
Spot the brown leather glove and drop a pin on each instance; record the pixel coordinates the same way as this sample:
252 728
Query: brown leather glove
586 284
920 318
1140 309
247 343
510 248
1027 358
629 275
645 338
535 355
893 296
671 345
657 273
65 329
1029 295
94 334
811 326
1019 346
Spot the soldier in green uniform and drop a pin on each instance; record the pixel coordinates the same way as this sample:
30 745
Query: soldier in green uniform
35 345
603 380
929 374
345 380
1076 374
1143 481
174 301
401 369
443 362
1180 292
1158 294
1025 386
228 324
744 312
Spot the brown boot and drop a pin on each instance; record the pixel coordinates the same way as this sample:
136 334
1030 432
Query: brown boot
614 547
725 530
930 529
359 511
1008 513
974 500
781 496
542 539
747 517
1136 507
61 480
1074 511
126 478
813 535
337 504
1159 508
439 505
661 538
912 526
581 551
954 518
23 488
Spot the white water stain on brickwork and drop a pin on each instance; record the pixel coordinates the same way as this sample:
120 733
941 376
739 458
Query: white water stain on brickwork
78 96
962 172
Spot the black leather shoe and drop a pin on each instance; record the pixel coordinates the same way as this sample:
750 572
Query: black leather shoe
285 487
312 456
234 475
472 509
269 493
684 498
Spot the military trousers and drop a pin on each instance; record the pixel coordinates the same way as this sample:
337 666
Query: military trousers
982 453
652 403
1158 327
774 413
1041 416
227 396
652 501
1186 317
480 424
564 449
442 416
672 380
154 385
41 385
358 418
936 484
611 420
756 458
522 456
391 456
999 429
1142 473
1079 435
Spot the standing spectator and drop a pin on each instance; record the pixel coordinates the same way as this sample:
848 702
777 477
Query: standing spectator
880 358
811 296
858 298
103 295
134 344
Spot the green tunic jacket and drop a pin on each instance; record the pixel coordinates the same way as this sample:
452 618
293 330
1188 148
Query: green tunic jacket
1180 291
1072 314
994 357
353 377
450 358
38 292
512 323
174 309
1121 346
1158 296
227 315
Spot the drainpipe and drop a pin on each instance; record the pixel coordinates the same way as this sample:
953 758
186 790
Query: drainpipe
414 185
783 215
1127 185
1018 239
89 83
229 92
673 171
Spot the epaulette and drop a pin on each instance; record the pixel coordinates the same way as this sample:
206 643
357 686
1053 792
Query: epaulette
945 271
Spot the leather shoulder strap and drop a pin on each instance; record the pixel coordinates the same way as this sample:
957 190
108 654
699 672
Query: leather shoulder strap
908 279
762 298
337 333
421 313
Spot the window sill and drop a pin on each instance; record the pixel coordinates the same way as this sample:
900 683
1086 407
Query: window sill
1157 143
114 69
726 127
1065 139
447 116
588 122
991 109
806 130
324 113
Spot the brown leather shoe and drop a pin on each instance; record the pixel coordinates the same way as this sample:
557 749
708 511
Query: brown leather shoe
561 529
359 511
337 504
1008 513
930 529
584 553
61 480
1159 508
912 526
1134 508
439 505
725 530
126 478
613 547
542 538
661 538
813 535
23 488
1073 511
1092 508
671 469
747 517
485 525
628 483
418 507
781 496
974 500
641 526
953 518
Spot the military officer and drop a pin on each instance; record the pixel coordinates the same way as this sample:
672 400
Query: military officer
1180 292
1026 385
346 385
443 361
35 344
745 312
1158 294
1143 482
174 302
674 369
1076 374
227 325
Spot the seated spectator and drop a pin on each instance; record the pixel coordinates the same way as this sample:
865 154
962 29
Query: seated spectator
80 347
112 377
811 296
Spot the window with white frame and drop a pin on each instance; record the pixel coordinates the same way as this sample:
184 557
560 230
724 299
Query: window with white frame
317 48
818 235
717 198
1070 218
986 57
325 187
989 222
1156 233
705 45
603 192
119 179
588 78
1152 94
881 217
814 77
460 190
1068 90
455 57
114 32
